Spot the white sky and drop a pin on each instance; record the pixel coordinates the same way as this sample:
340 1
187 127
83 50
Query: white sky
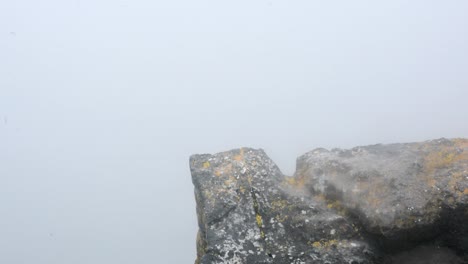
102 102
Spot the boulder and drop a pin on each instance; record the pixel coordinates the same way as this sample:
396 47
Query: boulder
374 204
404 192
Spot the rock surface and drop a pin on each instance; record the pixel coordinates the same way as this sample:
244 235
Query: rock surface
373 204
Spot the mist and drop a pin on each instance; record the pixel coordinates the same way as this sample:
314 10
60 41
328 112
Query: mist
103 102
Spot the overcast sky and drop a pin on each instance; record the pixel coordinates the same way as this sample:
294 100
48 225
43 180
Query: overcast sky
103 102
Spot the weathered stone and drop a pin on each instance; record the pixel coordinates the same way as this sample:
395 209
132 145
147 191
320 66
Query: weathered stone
364 205
405 192
248 213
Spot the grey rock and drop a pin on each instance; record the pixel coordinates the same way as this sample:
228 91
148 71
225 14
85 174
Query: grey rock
404 192
364 205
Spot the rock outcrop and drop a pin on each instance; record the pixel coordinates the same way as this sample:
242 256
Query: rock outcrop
398 203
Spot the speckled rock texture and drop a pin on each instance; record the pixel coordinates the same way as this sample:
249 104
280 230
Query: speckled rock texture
398 203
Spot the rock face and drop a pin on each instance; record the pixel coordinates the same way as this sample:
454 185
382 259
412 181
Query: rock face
398 203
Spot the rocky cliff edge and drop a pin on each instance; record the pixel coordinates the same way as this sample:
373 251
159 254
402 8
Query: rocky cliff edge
396 203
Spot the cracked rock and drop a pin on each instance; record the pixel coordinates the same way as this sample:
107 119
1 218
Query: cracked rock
374 204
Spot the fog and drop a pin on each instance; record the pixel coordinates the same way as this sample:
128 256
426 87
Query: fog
103 102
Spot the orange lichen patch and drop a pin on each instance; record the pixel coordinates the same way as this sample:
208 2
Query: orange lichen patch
438 160
448 159
446 156
240 156
223 170
206 164
465 192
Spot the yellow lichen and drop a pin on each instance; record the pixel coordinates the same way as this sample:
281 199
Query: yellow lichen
242 189
317 244
281 218
297 182
329 243
259 220
446 158
279 204
206 164
442 159
324 244
337 206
